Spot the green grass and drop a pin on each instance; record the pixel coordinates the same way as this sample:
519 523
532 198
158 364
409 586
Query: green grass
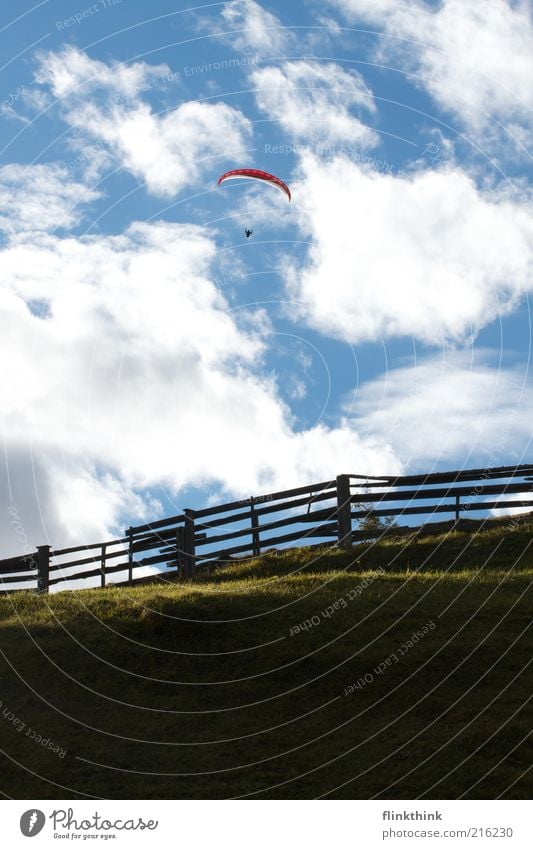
200 690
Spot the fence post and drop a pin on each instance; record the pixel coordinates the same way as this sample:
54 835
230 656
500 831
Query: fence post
180 550
344 512
457 508
130 556
102 565
43 568
189 545
256 541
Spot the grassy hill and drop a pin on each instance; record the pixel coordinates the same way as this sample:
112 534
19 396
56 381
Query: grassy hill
397 670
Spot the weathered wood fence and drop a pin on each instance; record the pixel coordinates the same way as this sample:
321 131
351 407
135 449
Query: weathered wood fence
319 513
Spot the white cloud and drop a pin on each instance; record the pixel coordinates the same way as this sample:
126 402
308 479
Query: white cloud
475 58
449 409
312 102
140 377
72 72
428 255
455 410
248 27
50 495
41 198
167 152
254 28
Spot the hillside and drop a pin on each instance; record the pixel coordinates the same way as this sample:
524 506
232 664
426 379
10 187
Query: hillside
293 676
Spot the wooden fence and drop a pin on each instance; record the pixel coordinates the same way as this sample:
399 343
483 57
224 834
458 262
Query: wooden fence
319 513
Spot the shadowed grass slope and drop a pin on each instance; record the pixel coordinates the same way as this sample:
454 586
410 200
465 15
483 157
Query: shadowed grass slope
293 676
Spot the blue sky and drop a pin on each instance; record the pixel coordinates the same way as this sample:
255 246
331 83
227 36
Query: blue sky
153 358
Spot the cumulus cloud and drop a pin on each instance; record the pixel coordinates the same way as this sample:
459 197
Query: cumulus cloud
168 152
72 72
313 102
427 254
248 27
454 408
139 376
253 28
475 58
41 198
52 496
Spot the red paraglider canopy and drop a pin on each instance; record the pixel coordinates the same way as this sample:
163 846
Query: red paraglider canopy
255 174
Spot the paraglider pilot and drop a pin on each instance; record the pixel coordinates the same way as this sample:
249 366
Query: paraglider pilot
248 233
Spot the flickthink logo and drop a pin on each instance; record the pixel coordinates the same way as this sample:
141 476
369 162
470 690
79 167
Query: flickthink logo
32 822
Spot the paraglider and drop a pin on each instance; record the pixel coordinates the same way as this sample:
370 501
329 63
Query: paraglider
255 174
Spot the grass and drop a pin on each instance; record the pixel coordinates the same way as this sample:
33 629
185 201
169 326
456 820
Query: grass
215 690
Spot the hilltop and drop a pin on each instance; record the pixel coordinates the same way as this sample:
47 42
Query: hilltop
396 670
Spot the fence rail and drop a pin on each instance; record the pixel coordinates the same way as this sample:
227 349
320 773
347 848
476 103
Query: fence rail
319 513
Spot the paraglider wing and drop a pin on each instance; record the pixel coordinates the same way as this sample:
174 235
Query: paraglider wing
255 174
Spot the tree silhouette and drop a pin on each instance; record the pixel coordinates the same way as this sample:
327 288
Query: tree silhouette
372 522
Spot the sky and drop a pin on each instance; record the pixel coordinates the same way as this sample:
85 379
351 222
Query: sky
153 358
